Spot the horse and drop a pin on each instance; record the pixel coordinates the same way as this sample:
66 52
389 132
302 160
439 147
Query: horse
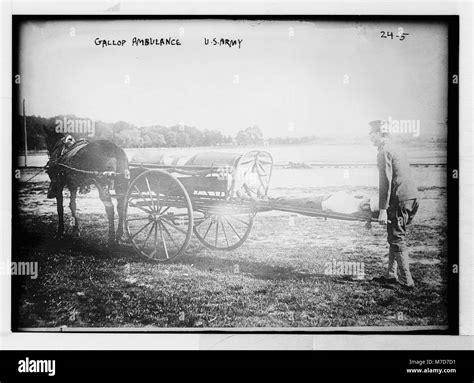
78 166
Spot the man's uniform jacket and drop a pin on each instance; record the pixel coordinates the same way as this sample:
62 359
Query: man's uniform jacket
395 179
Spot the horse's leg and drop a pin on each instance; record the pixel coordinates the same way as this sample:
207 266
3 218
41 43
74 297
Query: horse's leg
60 208
72 206
120 206
121 186
104 196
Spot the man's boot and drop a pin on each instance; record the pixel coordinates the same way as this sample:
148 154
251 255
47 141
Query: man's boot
390 275
404 275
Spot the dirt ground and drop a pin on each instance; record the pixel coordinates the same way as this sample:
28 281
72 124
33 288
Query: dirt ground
277 279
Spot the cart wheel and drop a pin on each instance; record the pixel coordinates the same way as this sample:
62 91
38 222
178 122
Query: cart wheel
158 216
222 231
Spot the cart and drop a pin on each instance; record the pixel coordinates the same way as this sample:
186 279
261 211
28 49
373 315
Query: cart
213 195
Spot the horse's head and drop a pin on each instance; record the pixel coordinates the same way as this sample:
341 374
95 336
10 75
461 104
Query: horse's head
56 145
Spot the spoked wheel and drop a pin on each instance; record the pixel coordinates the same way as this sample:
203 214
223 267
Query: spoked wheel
158 216
223 231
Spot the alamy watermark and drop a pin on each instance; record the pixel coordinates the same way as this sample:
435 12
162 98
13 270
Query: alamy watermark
75 125
28 365
394 126
354 269
19 268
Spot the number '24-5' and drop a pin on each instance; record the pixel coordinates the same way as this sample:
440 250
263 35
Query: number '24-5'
388 34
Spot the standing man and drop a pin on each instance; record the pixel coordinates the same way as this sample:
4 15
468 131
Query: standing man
397 203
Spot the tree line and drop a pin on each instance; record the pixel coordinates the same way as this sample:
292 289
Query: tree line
127 135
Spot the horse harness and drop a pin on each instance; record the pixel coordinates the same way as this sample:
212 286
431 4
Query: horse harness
61 153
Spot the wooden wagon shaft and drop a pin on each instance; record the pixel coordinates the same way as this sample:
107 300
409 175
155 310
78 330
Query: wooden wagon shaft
268 206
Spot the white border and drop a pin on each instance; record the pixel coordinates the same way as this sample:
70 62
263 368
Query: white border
9 340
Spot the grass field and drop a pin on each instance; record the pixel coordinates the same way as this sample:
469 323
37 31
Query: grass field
276 279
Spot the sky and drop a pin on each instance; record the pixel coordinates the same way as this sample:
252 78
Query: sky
289 78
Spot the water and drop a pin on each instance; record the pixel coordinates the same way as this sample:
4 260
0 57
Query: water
315 177
356 177
314 153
